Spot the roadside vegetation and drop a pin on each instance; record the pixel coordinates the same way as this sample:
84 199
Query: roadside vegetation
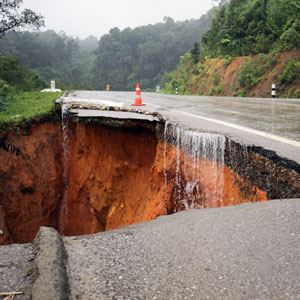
244 46
20 96
254 69
27 105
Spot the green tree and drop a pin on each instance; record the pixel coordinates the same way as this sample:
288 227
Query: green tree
245 27
12 18
53 55
145 53
283 20
18 76
195 51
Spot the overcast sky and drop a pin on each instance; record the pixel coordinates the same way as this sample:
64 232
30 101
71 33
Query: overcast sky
96 17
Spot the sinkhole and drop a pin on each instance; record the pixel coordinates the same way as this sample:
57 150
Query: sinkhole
83 176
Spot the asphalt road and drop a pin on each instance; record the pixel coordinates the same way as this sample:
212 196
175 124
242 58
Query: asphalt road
273 124
250 251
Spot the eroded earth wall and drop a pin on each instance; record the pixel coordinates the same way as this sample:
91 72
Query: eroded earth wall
30 182
107 176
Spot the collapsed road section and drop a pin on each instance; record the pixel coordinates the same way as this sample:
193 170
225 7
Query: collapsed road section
99 168
96 168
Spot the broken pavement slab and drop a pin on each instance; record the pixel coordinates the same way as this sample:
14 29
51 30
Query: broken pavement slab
95 108
116 115
37 270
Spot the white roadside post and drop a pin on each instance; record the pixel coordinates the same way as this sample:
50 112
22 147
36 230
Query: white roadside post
273 90
176 91
52 85
52 88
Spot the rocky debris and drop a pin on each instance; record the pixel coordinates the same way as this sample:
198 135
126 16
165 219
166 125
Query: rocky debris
8 147
278 177
116 108
16 263
49 272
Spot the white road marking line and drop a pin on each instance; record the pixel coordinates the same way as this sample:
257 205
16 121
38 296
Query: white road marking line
249 130
132 101
245 129
152 105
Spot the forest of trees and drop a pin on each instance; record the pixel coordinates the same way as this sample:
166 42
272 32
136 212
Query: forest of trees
246 27
143 54
120 58
53 55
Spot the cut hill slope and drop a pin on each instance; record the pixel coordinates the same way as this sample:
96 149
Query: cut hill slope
250 76
253 43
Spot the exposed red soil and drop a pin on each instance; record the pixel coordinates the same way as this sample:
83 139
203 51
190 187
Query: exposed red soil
31 183
116 177
215 185
229 85
262 89
112 181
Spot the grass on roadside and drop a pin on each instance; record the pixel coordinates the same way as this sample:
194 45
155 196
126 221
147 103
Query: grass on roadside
27 105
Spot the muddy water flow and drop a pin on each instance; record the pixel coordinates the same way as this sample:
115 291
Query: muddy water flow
63 211
199 168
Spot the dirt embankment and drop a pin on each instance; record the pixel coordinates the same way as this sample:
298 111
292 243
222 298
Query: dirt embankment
31 182
223 77
115 177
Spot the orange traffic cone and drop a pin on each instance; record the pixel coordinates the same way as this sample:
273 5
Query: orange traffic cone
138 98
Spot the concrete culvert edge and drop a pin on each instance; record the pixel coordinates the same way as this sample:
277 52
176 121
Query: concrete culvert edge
49 272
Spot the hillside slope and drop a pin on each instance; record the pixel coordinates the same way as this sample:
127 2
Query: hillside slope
250 76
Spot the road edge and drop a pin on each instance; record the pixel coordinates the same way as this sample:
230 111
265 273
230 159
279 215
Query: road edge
50 278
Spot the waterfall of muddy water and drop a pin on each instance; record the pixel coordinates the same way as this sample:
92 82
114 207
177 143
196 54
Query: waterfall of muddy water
63 214
232 156
199 179
165 171
178 186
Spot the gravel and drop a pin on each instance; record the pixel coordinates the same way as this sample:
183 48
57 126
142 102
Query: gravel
16 263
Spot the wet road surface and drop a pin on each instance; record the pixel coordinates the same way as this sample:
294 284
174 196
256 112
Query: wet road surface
250 251
273 124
